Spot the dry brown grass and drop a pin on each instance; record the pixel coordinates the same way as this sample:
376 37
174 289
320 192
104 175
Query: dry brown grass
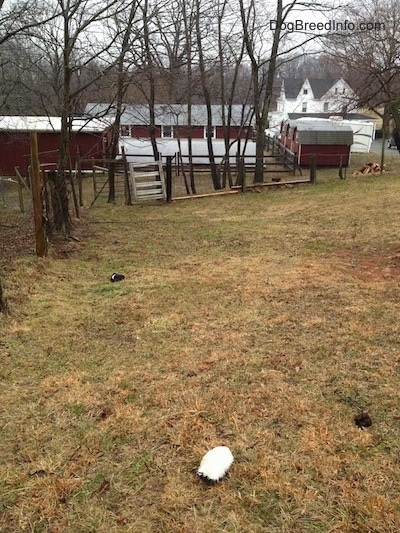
264 322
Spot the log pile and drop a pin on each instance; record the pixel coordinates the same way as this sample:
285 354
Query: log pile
370 168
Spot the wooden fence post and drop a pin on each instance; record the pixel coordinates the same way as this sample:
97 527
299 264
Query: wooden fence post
94 182
74 197
169 178
313 168
294 161
79 178
341 175
48 218
242 174
20 190
127 187
37 201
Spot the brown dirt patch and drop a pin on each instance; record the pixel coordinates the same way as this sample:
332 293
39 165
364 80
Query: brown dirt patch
15 242
373 268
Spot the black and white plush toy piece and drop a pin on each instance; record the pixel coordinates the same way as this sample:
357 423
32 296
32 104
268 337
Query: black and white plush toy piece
363 420
215 464
117 277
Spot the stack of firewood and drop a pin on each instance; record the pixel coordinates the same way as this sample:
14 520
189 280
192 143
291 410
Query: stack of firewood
370 168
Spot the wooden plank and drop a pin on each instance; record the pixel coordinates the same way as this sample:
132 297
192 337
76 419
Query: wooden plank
144 163
274 183
164 189
149 184
146 174
207 195
149 197
143 192
149 192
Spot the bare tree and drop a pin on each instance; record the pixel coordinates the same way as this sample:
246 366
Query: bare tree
189 21
371 55
17 20
201 14
230 61
70 45
266 54
18 17
124 26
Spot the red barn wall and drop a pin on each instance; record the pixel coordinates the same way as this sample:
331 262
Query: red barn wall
13 148
235 132
140 131
327 155
15 151
197 132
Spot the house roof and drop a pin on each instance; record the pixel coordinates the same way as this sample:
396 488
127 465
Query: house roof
319 86
50 124
172 114
347 116
320 131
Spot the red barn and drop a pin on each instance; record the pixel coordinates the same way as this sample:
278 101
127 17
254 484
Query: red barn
329 140
171 121
89 140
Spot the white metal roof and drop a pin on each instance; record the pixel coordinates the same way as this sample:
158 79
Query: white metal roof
173 114
51 124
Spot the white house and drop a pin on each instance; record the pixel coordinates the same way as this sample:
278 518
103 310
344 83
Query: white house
323 96
328 99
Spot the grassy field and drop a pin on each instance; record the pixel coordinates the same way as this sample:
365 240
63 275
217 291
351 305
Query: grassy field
264 322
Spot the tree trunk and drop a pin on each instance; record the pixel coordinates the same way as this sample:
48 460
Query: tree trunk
62 219
150 76
189 77
214 171
262 119
262 96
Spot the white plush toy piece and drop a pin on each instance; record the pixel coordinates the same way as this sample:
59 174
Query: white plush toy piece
215 464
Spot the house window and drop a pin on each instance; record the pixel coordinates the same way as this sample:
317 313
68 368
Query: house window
305 91
209 132
125 130
326 106
304 107
336 90
167 132
344 90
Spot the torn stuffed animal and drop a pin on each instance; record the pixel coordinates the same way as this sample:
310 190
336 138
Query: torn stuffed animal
215 464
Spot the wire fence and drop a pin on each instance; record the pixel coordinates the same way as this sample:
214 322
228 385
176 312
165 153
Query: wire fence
16 220
16 206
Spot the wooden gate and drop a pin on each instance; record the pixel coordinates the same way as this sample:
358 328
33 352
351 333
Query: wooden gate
147 180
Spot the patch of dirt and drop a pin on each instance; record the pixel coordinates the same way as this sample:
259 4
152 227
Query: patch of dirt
63 247
19 242
16 242
373 268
